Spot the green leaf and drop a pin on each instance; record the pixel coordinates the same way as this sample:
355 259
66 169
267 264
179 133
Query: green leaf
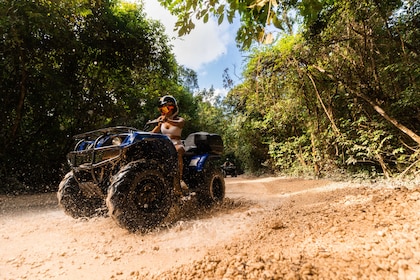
220 19
276 22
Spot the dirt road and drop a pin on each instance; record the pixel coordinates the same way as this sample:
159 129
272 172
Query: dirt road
269 228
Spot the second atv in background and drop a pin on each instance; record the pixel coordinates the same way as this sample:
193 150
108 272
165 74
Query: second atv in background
228 168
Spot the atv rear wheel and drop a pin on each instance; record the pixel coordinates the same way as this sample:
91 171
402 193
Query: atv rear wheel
140 196
74 202
212 188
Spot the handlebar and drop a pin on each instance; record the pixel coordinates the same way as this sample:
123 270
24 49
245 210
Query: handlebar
150 123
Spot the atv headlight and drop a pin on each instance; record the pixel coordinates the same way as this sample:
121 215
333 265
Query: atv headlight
116 141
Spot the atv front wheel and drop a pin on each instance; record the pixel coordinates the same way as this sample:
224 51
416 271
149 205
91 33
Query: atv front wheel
74 202
140 196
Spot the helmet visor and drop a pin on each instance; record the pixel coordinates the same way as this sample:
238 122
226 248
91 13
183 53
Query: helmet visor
166 108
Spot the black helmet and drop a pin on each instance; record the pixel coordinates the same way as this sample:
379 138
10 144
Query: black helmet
169 100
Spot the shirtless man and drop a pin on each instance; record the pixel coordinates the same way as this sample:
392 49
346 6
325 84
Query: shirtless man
170 124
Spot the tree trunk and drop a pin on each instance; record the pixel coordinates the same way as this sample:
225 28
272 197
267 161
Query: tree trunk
378 109
333 125
401 127
315 156
383 166
21 101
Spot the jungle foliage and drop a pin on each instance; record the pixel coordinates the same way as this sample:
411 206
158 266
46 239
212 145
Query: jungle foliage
342 95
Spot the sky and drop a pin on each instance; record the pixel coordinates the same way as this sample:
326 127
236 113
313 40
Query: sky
208 50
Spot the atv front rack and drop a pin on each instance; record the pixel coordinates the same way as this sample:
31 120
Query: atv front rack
103 149
92 135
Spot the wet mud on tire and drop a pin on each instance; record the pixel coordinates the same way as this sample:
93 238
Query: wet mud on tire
140 196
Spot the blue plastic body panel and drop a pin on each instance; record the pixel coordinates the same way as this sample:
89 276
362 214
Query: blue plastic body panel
197 162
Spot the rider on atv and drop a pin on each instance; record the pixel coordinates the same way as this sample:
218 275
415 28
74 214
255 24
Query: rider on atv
132 175
170 124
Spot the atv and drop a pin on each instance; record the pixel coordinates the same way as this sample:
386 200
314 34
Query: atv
229 170
131 175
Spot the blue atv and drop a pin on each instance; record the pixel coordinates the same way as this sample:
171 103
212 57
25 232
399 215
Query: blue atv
132 174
